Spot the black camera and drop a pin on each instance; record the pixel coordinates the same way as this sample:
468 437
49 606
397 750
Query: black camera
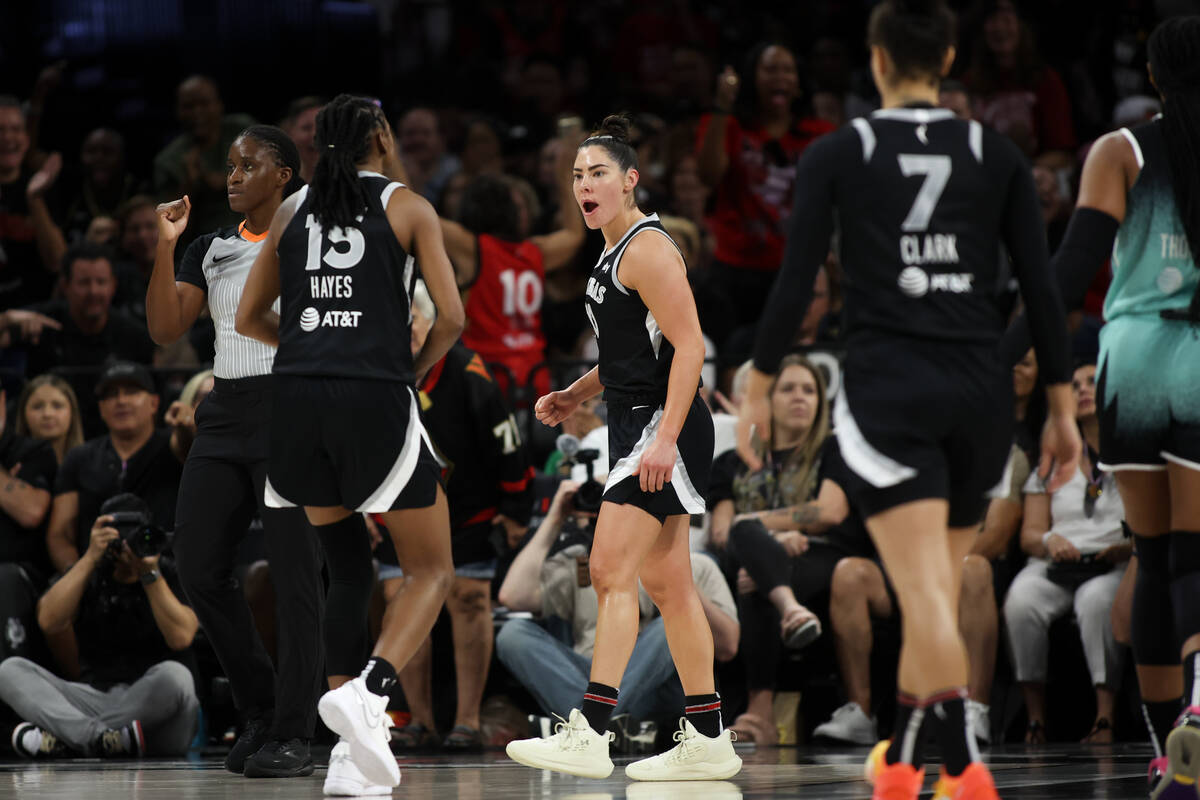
131 517
590 493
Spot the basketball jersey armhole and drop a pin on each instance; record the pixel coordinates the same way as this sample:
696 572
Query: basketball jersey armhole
621 254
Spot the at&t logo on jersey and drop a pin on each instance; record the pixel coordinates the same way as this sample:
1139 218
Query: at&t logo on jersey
311 319
915 282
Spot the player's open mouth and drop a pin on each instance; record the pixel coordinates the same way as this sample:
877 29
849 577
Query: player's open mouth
589 206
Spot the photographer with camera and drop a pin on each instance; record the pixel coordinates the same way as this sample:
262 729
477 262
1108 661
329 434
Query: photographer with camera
558 585
120 603
134 456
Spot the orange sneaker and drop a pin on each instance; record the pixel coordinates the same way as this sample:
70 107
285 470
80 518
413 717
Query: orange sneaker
875 761
897 782
975 783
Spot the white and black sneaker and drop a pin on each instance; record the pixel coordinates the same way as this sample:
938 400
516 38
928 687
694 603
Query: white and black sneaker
127 741
696 757
30 741
360 717
849 724
575 748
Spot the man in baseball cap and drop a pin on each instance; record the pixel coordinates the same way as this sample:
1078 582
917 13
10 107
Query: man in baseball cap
124 373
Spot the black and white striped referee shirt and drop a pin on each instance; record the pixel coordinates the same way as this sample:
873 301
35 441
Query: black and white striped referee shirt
219 263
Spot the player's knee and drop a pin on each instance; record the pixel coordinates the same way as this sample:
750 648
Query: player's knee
468 598
976 576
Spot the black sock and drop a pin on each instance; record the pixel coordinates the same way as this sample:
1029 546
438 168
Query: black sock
598 704
380 676
1160 719
704 712
907 742
947 713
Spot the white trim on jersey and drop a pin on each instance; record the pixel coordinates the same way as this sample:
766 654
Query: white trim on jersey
387 192
1002 486
1137 148
613 269
301 195
867 135
680 481
1131 467
919 116
975 139
367 173
874 467
655 332
382 498
410 264
273 499
628 233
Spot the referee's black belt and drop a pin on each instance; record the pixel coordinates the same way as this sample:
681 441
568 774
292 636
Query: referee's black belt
255 383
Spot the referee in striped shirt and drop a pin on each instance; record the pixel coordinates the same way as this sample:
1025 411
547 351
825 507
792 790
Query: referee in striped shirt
223 479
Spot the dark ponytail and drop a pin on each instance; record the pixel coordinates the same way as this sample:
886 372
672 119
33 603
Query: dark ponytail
614 135
282 147
1174 55
344 127
915 34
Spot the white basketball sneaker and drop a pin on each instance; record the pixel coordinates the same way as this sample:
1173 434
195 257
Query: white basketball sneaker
346 780
695 758
360 717
574 748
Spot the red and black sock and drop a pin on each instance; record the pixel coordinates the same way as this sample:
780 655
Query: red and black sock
704 712
598 704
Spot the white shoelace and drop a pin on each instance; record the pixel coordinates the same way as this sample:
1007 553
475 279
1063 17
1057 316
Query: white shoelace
687 745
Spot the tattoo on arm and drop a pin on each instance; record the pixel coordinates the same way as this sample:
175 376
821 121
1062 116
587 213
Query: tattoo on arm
806 514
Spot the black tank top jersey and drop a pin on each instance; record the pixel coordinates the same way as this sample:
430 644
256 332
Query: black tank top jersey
635 357
346 295
929 209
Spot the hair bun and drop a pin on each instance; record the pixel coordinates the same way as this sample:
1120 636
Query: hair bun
618 126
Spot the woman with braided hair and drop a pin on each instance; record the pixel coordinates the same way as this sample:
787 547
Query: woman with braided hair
346 435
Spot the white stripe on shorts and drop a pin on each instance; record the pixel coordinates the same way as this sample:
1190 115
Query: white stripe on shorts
382 498
689 498
871 465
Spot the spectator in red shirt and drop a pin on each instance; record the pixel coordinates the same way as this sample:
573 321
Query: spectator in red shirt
1016 93
747 150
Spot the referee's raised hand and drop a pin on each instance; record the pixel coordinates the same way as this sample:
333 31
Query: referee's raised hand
173 218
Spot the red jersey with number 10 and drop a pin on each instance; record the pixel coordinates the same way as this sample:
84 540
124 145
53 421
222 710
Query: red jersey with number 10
504 307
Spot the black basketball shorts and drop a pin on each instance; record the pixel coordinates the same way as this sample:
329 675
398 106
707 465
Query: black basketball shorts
631 429
918 421
350 442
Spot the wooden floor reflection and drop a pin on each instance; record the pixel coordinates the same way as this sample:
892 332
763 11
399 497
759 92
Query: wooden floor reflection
1062 773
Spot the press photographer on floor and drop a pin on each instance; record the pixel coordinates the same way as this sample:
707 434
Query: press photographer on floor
121 603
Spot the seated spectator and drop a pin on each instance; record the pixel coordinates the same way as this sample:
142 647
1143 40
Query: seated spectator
558 585
747 152
423 151
27 468
860 593
504 274
955 96
31 244
766 519
1015 92
82 329
133 457
103 230
122 606
300 123
48 410
102 187
138 242
181 415
1077 548
193 163
487 488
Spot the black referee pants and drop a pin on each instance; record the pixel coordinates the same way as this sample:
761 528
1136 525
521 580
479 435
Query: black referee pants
221 490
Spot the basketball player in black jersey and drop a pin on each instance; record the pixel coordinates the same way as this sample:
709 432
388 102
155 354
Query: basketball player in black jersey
660 450
346 436
223 478
924 202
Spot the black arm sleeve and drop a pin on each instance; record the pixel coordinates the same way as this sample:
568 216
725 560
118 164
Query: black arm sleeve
810 227
1026 241
1085 248
191 267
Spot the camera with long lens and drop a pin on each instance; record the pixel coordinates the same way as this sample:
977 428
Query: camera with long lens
131 517
590 493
